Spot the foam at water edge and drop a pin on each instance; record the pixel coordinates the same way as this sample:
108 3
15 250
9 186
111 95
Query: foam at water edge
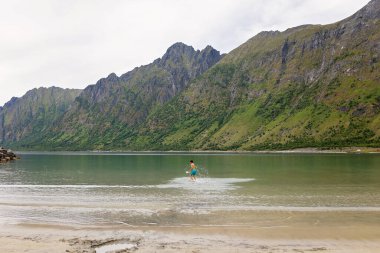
210 184
205 184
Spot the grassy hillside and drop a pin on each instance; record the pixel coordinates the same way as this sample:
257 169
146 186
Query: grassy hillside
310 86
106 113
27 119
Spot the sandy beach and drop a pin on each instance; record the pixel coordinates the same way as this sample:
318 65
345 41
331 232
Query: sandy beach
46 240
296 233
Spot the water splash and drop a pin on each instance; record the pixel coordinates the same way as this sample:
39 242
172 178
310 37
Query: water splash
205 184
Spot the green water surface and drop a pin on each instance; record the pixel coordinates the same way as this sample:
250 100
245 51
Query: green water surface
109 187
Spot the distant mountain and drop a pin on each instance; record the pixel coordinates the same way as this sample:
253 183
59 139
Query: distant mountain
29 117
104 113
309 86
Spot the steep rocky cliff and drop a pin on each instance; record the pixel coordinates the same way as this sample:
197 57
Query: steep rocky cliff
311 85
105 113
29 117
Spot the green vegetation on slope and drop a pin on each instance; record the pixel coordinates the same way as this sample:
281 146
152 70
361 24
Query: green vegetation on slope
29 118
309 86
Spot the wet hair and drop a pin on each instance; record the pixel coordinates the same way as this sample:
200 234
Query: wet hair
191 161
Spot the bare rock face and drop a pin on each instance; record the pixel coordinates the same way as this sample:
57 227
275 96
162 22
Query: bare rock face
184 64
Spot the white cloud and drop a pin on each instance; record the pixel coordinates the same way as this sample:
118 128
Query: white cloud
73 43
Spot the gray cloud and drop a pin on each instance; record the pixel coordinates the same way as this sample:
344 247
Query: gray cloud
73 43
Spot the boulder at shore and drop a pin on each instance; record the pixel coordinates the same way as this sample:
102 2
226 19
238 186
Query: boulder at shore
7 155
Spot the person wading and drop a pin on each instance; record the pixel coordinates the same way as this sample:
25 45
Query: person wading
193 171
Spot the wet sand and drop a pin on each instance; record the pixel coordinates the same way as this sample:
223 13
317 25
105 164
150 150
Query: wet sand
46 240
338 232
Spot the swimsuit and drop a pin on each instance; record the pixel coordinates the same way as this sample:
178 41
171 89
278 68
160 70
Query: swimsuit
193 172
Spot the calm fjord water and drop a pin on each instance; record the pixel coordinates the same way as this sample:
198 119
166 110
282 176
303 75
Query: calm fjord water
151 188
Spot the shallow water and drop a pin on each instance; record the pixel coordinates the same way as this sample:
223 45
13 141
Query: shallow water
138 189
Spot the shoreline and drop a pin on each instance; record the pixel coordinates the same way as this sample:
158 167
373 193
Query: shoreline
47 239
346 150
260 232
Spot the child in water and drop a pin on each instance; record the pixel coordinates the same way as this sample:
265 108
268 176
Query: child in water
192 171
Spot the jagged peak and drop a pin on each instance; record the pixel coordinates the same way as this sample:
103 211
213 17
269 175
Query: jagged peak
182 47
209 49
112 77
176 50
174 53
179 47
102 81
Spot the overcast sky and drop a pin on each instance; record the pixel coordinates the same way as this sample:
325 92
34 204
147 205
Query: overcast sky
73 43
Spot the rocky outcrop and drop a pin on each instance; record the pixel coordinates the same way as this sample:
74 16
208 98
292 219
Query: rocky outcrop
7 155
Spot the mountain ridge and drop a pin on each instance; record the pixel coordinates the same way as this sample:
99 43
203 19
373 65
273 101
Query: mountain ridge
34 112
267 72
117 104
308 86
